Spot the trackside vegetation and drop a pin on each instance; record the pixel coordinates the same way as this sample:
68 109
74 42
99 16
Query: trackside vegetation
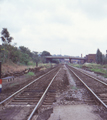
100 67
101 58
30 74
94 67
20 55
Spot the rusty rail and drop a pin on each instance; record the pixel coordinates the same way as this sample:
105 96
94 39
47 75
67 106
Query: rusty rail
42 98
3 102
89 89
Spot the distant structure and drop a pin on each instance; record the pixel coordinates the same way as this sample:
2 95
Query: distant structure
91 58
71 59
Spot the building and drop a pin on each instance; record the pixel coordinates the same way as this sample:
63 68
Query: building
91 58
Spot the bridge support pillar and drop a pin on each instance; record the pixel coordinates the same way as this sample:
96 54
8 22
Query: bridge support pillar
85 61
70 60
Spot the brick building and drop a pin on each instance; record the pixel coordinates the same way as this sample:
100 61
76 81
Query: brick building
91 58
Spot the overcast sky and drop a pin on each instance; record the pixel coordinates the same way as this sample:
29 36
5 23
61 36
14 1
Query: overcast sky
67 27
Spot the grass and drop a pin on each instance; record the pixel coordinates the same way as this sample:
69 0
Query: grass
77 65
74 87
97 68
46 65
92 65
13 84
105 66
31 63
105 76
30 74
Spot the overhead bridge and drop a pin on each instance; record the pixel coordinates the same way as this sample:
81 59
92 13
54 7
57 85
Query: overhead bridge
65 57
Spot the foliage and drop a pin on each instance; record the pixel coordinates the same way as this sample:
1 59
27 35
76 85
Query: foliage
6 39
77 65
31 63
6 46
98 70
25 50
99 57
92 65
35 57
24 58
21 54
43 54
30 74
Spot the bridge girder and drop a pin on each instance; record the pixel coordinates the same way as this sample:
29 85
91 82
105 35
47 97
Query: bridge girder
64 57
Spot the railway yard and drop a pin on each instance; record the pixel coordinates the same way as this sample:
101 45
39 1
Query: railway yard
58 93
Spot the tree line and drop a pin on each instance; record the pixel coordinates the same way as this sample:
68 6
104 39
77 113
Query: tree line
21 54
101 58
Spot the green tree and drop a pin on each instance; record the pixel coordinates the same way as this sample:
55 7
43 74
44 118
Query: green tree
6 39
99 57
15 54
24 58
6 46
43 54
3 54
36 58
25 50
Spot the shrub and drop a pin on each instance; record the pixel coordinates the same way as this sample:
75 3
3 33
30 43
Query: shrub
30 73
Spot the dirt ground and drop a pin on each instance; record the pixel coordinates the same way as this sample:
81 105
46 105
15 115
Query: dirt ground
11 67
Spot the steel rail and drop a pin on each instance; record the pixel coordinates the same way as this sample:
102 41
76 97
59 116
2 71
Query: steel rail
42 98
89 89
24 87
91 76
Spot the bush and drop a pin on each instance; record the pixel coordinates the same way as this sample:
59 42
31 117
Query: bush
31 74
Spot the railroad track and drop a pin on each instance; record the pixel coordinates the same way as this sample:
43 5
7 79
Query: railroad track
97 88
41 93
30 98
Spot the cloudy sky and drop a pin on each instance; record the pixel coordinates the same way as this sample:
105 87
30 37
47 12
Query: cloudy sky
67 27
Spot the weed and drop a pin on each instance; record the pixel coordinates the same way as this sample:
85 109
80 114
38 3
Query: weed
13 84
30 74
77 65
31 63
98 70
105 76
74 87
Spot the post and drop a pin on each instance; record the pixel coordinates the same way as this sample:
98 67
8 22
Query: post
0 79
